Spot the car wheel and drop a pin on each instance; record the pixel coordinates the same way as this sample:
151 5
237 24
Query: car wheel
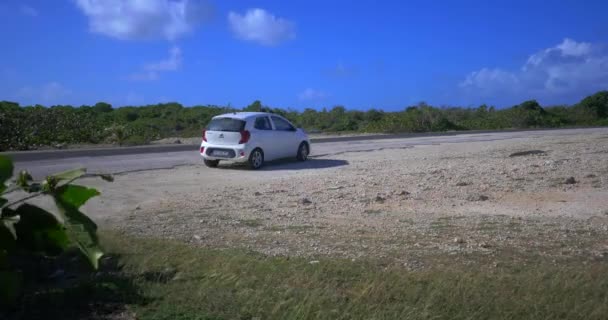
303 151
211 163
256 159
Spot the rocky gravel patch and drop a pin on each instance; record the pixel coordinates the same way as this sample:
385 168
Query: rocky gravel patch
402 204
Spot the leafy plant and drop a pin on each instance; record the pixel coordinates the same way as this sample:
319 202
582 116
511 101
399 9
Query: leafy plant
26 229
32 127
117 134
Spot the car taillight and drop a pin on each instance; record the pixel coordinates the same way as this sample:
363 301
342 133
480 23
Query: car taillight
245 135
204 136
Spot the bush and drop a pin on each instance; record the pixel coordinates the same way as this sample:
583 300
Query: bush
28 231
25 128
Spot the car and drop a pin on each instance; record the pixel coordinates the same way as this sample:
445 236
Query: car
252 137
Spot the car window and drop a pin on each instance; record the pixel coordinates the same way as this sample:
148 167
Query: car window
226 124
262 123
282 125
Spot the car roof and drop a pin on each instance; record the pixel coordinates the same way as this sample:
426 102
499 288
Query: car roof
244 115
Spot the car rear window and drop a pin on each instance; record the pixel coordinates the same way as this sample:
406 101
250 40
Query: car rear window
281 124
226 124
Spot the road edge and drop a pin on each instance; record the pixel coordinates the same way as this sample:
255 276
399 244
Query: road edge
24 156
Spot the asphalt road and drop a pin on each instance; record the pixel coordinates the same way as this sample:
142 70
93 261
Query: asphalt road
123 160
23 156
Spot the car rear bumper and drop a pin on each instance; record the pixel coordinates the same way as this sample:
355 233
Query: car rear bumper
238 153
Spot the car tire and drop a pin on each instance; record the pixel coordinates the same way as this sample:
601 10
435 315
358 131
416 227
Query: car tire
303 151
256 159
211 163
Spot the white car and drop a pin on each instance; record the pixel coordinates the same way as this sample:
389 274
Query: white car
253 137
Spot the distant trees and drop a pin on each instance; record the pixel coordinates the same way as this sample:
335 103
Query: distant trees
30 127
597 104
256 106
102 107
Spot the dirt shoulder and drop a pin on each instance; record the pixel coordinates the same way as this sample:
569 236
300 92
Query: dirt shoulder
400 204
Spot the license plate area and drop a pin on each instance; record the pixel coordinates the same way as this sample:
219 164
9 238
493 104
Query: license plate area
221 153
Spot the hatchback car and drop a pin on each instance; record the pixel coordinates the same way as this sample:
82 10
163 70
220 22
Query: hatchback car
252 137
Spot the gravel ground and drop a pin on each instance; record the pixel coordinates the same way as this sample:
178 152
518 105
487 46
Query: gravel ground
399 204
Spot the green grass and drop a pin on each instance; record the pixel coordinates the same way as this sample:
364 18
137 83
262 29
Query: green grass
252 223
488 226
160 279
294 228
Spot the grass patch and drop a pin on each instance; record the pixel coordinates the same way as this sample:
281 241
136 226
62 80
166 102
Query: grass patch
409 221
162 279
252 223
489 225
275 228
441 225
297 228
294 228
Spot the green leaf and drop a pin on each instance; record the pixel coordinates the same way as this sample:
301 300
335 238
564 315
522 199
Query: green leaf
75 195
23 179
80 228
49 184
10 289
6 171
70 174
39 231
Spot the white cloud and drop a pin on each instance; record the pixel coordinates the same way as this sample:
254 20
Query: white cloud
571 48
312 94
49 93
568 49
28 11
260 26
143 19
170 64
568 70
488 78
151 71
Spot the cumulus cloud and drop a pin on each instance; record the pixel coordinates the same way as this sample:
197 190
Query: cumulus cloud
262 27
144 19
49 93
312 94
568 70
28 11
172 63
151 71
488 78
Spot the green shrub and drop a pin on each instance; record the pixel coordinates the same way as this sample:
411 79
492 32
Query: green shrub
31 127
27 231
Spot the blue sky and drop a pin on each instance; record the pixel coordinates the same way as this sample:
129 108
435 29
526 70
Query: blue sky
360 54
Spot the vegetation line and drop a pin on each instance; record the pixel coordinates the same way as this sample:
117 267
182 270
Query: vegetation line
34 127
